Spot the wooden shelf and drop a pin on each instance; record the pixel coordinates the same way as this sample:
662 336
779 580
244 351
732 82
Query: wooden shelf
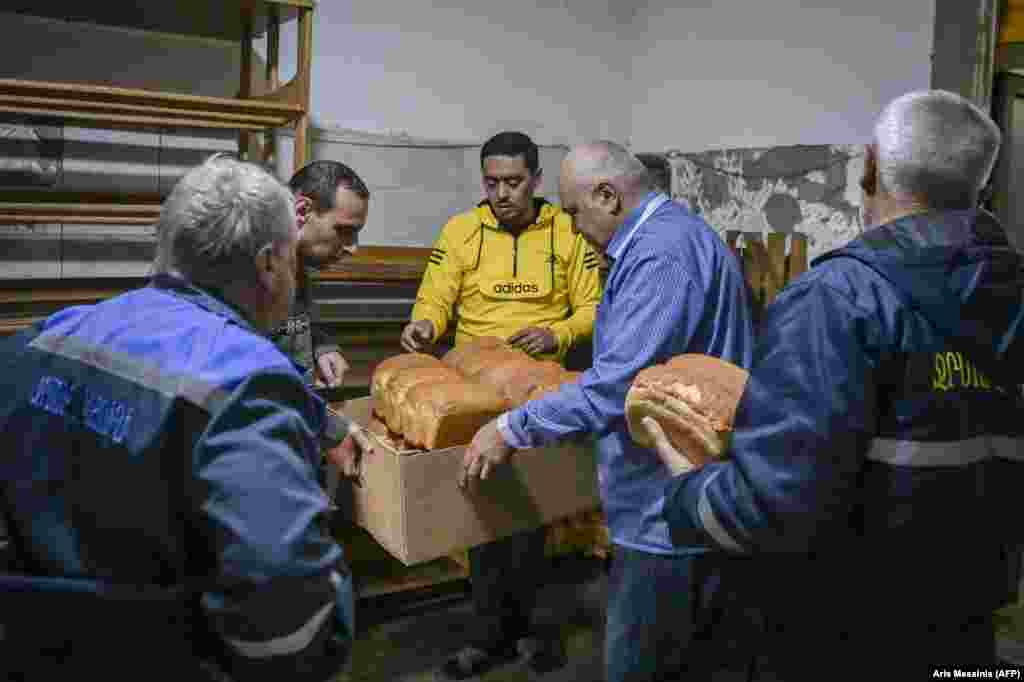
223 19
12 212
113 106
129 106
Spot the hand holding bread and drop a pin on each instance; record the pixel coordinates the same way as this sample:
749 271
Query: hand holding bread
692 399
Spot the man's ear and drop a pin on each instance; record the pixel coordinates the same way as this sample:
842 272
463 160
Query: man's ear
303 207
266 267
536 179
869 180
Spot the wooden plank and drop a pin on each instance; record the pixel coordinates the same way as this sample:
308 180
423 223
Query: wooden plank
193 120
110 104
796 264
376 579
300 89
80 208
755 265
245 138
64 292
776 274
100 108
113 96
181 17
381 263
46 218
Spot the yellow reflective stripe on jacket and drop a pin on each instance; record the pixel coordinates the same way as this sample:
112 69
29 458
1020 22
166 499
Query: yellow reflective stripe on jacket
478 266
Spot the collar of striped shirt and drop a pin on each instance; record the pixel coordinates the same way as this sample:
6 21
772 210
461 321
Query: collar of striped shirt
624 234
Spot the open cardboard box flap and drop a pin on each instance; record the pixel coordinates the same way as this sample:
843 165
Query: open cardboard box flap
412 505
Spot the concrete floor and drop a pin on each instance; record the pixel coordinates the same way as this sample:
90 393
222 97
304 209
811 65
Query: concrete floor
405 637
406 640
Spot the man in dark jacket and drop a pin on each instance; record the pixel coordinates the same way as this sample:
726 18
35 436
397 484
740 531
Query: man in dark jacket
878 444
331 206
332 203
158 476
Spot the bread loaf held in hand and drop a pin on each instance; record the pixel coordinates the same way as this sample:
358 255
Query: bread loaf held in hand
693 398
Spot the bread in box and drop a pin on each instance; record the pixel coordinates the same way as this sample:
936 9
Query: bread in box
395 393
517 377
438 415
384 372
378 428
455 356
472 365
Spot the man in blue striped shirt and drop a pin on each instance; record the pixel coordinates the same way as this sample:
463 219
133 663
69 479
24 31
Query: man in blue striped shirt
673 288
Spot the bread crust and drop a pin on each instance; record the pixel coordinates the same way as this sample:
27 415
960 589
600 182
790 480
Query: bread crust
388 369
693 398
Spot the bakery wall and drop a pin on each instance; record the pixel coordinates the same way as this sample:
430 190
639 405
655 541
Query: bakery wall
811 190
734 74
406 93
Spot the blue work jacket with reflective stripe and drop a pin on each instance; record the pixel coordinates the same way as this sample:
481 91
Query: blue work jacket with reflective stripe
156 439
882 423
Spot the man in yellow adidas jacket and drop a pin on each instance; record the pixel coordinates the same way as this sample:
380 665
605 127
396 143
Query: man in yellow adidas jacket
513 267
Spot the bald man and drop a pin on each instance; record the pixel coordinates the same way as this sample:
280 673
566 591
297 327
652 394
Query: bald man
673 288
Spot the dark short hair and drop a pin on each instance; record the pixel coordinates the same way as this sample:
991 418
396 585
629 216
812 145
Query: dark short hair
320 181
512 144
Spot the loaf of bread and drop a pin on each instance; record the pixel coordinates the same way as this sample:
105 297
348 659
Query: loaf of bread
379 429
395 393
517 377
456 355
439 415
423 402
388 369
474 363
693 398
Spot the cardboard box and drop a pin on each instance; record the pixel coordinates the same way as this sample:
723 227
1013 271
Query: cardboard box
412 505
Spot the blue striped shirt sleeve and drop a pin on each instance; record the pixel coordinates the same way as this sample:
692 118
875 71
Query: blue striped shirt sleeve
654 309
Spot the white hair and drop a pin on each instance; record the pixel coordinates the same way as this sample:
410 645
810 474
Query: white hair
936 146
218 217
606 160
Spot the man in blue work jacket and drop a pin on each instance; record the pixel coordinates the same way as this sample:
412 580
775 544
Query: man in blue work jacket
158 470
673 288
879 444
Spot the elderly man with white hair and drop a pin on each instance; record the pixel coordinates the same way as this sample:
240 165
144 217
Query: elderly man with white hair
878 444
159 472
673 287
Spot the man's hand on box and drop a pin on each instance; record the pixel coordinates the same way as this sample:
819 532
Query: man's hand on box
487 451
348 454
535 340
676 461
418 336
331 369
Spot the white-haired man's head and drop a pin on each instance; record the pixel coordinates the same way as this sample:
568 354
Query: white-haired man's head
229 226
931 150
600 183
